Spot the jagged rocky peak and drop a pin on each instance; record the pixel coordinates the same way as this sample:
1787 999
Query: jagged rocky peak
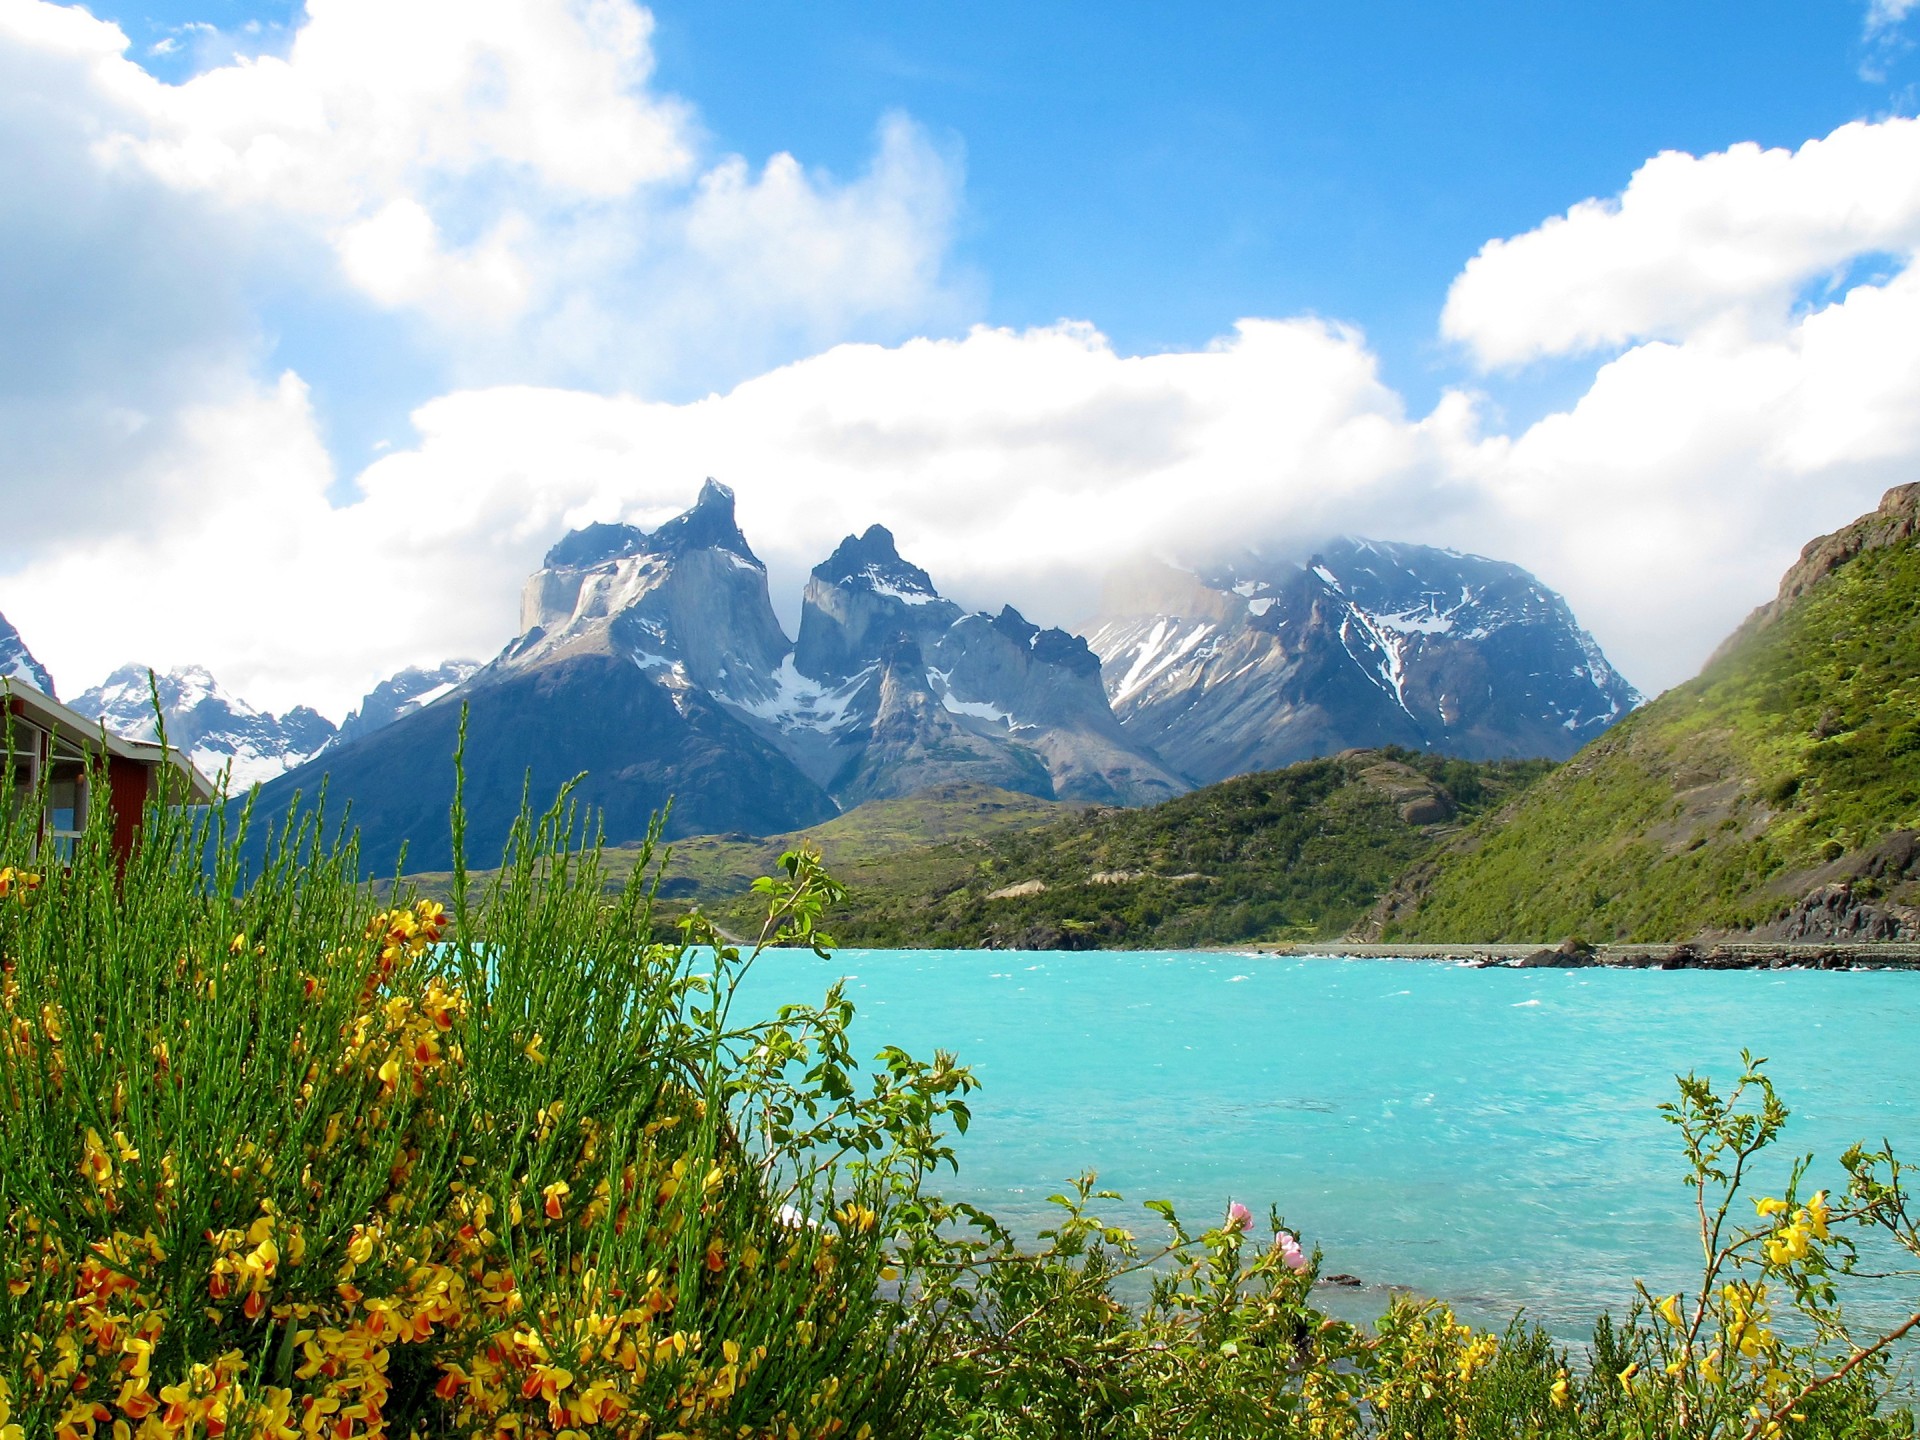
873 560
212 728
404 692
858 600
1051 646
1262 661
709 525
914 691
689 600
17 662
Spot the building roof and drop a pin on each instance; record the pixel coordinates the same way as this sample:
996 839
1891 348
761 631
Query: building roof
89 735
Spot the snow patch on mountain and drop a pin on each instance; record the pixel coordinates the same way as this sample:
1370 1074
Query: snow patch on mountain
1264 661
17 662
799 703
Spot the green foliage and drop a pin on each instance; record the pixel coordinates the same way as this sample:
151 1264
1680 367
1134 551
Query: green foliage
1713 807
1292 854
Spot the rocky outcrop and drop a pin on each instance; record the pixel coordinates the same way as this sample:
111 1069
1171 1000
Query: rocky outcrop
220 733
860 598
1895 521
1364 644
689 600
1835 912
17 662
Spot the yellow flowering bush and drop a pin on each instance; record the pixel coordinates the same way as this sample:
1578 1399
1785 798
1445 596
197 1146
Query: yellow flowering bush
283 1158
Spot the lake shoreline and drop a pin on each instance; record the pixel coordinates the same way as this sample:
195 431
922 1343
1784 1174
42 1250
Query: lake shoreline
1686 955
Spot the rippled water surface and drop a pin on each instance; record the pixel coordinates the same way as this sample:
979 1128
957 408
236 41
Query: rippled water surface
1489 1136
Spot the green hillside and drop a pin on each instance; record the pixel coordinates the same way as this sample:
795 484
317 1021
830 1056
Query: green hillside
1299 853
1788 763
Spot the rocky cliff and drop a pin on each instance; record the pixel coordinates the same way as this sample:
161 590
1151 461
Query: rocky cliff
924 693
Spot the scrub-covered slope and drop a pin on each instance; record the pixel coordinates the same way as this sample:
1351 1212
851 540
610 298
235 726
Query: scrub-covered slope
1290 854
1777 792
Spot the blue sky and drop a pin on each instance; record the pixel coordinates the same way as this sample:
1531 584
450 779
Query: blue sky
489 309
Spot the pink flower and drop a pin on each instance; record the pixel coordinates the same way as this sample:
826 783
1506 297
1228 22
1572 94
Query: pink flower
1291 1254
1239 1218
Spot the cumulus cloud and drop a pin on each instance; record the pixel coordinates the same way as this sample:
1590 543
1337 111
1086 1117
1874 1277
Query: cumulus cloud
1696 248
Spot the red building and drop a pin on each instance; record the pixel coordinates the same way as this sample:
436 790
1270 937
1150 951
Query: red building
42 740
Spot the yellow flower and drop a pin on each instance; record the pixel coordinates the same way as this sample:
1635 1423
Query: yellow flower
1560 1395
1817 1214
1768 1206
1669 1309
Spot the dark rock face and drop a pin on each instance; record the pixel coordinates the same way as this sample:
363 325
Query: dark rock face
595 544
1834 912
858 600
1365 644
219 732
17 662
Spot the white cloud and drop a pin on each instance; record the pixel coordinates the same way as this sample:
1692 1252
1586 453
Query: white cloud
1885 16
1707 248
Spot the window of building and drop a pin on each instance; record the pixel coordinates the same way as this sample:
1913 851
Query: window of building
66 806
22 744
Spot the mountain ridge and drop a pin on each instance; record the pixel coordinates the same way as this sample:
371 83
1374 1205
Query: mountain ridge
1258 663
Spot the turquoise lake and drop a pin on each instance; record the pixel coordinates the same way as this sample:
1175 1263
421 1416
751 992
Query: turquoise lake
1486 1136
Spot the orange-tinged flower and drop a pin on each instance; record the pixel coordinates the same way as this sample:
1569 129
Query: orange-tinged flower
555 1193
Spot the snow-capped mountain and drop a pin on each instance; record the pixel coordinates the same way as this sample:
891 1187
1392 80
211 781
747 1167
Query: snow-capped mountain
17 662
213 729
892 688
401 694
1261 663
636 653
654 664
